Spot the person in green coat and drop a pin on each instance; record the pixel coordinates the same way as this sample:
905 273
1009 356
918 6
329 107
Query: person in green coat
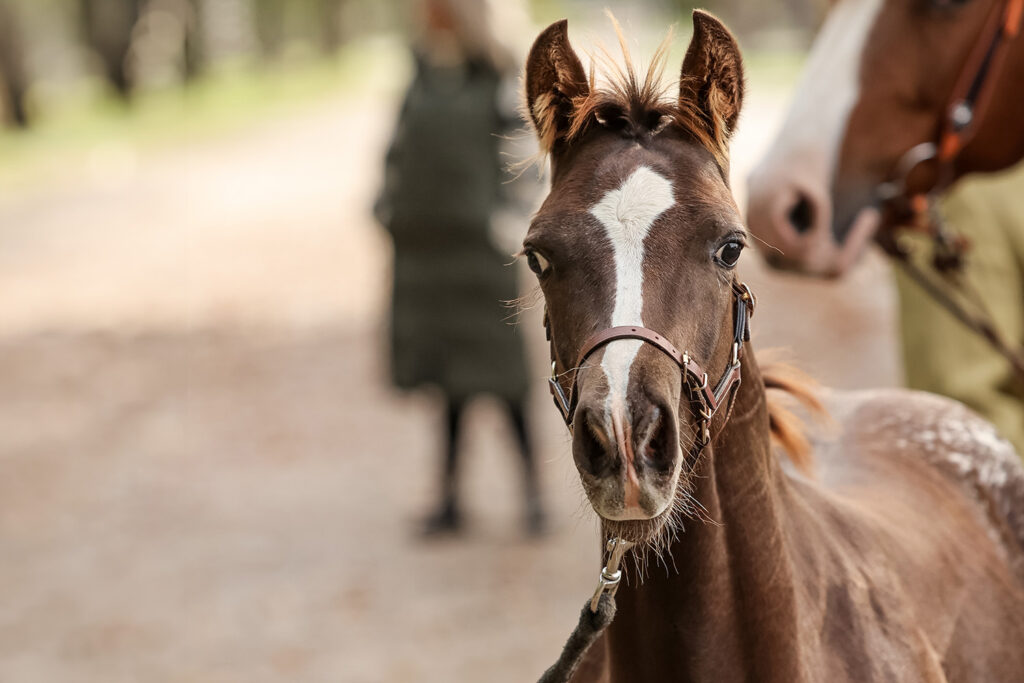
444 181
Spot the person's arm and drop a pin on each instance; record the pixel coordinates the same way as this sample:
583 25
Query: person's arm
383 207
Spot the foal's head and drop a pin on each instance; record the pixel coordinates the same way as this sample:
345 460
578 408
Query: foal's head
639 228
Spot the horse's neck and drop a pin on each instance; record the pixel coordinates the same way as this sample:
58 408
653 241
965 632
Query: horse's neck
721 605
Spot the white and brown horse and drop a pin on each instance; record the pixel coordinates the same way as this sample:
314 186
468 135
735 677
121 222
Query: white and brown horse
899 559
884 79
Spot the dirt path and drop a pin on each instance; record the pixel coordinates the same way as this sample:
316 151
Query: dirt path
203 475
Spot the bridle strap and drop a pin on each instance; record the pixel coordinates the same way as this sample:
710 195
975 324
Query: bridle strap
973 90
695 378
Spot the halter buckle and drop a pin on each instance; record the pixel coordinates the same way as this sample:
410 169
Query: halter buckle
748 297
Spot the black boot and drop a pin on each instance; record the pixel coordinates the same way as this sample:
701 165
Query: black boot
445 521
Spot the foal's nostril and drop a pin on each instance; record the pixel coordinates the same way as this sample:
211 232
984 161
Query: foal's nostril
592 451
801 216
657 442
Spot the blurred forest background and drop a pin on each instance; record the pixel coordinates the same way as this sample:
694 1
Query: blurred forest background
74 71
60 54
204 474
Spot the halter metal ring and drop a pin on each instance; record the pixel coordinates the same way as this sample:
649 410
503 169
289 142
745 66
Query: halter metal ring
911 159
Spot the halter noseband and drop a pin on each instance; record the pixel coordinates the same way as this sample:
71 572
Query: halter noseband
695 379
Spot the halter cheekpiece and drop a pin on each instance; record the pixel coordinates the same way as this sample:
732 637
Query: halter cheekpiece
695 378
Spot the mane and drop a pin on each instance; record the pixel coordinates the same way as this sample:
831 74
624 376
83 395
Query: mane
625 101
784 385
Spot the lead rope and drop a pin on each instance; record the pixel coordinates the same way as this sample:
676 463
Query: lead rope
594 618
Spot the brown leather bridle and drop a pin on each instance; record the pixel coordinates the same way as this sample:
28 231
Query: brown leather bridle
695 378
916 210
967 105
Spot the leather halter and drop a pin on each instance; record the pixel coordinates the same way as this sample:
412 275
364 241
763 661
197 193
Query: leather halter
968 103
695 378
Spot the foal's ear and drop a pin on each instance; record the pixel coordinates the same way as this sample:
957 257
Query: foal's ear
554 76
711 81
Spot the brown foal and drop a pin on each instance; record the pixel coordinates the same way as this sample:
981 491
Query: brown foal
899 559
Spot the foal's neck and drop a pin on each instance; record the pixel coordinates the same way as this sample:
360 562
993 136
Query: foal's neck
724 608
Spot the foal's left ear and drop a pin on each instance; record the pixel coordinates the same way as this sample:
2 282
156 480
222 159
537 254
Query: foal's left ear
711 81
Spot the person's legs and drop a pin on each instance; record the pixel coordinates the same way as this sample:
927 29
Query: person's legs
448 517
535 517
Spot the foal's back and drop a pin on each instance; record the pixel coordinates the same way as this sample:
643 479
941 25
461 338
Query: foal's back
919 513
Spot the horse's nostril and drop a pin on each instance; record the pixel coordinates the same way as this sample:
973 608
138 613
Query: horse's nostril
659 446
801 216
592 450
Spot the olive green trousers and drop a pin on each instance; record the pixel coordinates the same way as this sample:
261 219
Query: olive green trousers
940 354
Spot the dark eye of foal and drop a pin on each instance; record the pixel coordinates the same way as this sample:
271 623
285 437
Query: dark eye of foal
538 264
728 254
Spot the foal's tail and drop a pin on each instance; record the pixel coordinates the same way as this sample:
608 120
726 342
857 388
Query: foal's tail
783 382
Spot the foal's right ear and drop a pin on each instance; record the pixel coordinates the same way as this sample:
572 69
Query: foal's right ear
554 76
711 81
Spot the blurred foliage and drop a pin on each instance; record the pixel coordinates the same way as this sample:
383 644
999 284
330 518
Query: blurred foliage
53 49
83 73
50 48
91 121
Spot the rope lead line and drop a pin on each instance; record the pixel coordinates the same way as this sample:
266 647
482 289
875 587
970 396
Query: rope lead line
594 618
590 626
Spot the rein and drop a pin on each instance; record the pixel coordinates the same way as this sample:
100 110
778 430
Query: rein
916 211
599 611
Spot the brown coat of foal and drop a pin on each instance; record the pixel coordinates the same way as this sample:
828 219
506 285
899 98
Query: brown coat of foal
899 559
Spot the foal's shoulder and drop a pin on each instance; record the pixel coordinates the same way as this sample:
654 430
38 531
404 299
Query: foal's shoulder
941 433
944 431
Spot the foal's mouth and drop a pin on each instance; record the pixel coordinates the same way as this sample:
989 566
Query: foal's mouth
638 531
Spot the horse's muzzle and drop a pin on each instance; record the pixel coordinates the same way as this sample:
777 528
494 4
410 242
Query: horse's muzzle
628 455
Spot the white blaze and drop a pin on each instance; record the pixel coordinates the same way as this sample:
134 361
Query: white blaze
627 215
829 85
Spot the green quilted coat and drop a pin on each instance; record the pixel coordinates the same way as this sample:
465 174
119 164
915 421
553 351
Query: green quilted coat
450 324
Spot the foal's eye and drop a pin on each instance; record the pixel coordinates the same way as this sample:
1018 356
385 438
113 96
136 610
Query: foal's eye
538 264
728 254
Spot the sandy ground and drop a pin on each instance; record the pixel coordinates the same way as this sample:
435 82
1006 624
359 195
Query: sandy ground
203 473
